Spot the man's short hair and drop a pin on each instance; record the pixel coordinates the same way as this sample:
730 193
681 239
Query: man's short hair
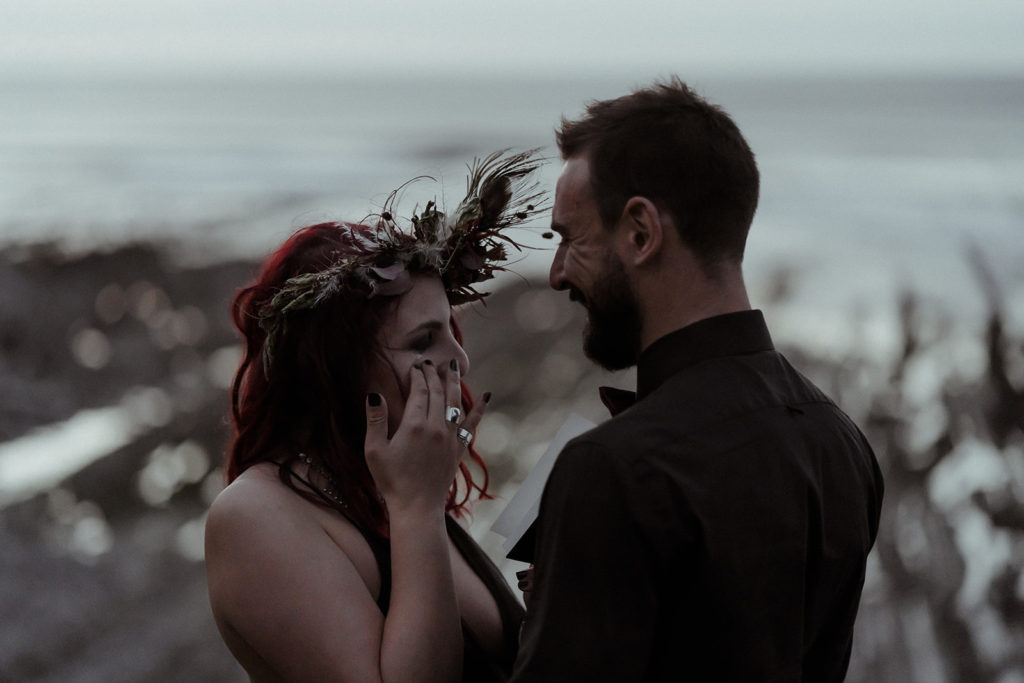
671 146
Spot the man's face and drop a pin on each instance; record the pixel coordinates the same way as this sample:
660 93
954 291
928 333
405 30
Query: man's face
587 265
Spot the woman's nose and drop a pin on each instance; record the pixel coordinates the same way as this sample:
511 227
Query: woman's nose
458 356
462 358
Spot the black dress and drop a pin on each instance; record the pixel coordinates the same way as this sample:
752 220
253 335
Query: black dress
478 665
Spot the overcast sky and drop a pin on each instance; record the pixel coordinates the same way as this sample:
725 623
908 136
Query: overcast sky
348 36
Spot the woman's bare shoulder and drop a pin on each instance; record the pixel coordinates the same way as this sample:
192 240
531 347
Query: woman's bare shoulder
283 588
256 492
258 516
257 508
254 513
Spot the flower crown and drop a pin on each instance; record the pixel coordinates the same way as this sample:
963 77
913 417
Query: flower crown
465 248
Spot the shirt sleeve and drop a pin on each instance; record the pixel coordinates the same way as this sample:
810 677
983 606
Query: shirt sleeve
593 609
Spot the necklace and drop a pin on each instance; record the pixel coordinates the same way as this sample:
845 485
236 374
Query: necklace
329 488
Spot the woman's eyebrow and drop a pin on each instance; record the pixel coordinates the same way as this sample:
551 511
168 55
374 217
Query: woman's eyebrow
432 325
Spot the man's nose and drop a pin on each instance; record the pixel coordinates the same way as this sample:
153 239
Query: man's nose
556 277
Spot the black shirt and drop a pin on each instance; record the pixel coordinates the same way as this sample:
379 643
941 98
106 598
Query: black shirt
716 530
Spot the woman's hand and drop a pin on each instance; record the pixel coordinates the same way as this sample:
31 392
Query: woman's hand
417 465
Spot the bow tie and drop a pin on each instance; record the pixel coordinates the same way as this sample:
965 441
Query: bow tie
616 400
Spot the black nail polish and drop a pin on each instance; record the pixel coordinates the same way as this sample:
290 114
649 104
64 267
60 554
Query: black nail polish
427 362
522 574
487 397
454 365
373 399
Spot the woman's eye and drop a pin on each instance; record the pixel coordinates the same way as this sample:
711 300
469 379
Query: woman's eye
424 342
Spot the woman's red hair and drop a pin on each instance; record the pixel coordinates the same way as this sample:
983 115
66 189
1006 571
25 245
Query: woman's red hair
311 398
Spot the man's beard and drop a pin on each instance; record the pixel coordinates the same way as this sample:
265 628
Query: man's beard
612 336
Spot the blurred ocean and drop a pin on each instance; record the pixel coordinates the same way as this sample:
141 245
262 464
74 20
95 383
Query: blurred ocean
868 186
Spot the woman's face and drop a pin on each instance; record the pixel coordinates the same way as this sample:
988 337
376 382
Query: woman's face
417 328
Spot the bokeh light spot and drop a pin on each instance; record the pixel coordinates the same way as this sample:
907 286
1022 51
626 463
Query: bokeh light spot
169 469
91 348
111 303
222 364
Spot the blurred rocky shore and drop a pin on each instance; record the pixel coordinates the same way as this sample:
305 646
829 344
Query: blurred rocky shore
102 579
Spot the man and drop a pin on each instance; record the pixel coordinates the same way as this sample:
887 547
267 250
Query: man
718 528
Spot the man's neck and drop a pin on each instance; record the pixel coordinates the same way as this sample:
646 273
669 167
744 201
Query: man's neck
680 304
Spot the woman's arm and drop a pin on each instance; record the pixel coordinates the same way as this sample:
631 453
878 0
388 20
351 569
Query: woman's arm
413 471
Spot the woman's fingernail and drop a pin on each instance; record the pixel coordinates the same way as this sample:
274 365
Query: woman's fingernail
373 399
454 365
487 397
427 362
521 574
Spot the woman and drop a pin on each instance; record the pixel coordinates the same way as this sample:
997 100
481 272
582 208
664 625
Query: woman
334 553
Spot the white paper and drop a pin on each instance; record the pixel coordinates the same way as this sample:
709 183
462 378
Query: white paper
522 510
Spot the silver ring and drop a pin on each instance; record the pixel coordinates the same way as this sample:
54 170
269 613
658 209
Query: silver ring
465 437
453 414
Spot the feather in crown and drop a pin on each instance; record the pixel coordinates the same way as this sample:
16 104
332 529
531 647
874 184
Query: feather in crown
465 247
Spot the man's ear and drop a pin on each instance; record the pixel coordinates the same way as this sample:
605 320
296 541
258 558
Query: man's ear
643 231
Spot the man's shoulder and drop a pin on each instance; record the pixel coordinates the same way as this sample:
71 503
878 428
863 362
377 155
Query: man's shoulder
617 435
599 453
719 402
731 386
625 445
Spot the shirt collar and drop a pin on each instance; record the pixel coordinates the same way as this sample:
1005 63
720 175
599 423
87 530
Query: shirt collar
730 334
